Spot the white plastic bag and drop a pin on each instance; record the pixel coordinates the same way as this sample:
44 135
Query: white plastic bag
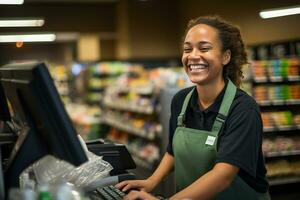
52 170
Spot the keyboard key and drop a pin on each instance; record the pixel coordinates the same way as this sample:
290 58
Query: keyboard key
110 193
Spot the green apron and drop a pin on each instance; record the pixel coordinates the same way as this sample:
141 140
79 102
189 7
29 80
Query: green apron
195 153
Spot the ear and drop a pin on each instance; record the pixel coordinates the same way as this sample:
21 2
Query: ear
226 57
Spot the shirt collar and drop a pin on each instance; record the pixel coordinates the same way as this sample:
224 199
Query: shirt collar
212 108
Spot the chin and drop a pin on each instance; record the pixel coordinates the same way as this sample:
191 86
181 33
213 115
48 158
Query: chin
197 79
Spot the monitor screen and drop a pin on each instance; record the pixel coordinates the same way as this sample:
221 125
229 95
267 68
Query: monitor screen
41 123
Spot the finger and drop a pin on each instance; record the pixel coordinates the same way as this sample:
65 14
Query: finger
146 195
128 187
121 184
131 185
132 195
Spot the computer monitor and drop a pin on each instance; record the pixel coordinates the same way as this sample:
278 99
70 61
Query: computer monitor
38 116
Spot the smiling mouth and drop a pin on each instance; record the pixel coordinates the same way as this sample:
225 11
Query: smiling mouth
197 67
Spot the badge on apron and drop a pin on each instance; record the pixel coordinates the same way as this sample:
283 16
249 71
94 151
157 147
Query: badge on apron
210 140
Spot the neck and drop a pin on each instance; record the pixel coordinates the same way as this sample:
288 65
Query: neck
209 92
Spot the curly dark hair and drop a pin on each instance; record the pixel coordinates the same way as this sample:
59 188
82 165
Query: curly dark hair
231 39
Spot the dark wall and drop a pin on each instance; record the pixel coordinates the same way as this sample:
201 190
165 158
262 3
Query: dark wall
245 14
59 17
107 49
52 52
65 17
154 28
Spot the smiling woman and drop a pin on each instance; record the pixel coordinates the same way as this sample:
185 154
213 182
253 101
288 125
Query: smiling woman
203 58
215 132
229 39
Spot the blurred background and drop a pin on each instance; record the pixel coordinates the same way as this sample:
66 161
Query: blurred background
116 65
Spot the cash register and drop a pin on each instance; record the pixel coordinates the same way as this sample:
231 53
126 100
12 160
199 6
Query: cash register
36 124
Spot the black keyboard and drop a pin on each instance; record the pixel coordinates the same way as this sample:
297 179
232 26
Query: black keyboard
107 193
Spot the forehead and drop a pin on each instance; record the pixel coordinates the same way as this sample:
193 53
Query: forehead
202 32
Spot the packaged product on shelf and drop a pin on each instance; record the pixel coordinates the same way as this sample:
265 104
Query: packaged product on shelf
296 120
275 70
294 69
279 168
261 94
281 120
259 70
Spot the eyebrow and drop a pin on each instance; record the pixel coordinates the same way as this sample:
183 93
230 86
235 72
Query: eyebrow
201 43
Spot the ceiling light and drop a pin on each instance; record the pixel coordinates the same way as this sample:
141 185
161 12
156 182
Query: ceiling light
13 2
279 12
27 38
22 23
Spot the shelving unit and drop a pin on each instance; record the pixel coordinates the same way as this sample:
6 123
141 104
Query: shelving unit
101 75
86 118
94 80
143 133
60 75
131 110
276 88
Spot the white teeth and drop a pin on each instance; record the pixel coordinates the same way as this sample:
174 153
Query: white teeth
198 66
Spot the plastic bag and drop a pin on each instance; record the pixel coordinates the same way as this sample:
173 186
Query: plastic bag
89 172
52 170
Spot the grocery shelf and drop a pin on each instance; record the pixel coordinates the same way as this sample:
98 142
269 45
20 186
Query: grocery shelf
138 90
281 128
287 102
97 89
276 79
142 163
260 79
105 74
294 78
282 153
130 107
125 127
136 153
283 180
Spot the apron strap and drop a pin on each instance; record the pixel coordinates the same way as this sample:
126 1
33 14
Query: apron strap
224 109
181 117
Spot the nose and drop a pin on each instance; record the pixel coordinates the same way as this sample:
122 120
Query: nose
195 53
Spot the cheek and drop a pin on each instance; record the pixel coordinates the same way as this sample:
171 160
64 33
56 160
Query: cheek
184 59
215 58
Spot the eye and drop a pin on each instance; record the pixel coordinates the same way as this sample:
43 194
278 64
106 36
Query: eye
205 49
187 49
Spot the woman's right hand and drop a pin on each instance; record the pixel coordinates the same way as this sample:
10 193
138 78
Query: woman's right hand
147 185
143 185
